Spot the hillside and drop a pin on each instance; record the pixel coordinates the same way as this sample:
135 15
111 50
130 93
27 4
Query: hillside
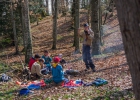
111 65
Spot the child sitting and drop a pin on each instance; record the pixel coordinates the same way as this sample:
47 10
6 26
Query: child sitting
32 60
47 59
62 61
57 71
36 68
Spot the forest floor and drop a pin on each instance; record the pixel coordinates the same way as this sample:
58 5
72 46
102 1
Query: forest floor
110 65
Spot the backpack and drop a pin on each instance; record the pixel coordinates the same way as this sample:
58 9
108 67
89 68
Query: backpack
5 78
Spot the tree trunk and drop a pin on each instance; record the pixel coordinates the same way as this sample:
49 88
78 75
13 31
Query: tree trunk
73 17
94 27
55 14
106 12
52 6
37 21
14 30
76 26
59 7
82 3
129 19
88 15
28 36
67 5
47 7
23 24
100 21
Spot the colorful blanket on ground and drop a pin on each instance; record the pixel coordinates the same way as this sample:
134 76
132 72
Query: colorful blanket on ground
27 87
40 83
72 84
97 82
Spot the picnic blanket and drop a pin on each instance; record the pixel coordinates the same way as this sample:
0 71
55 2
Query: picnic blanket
72 83
27 87
97 82
24 91
40 83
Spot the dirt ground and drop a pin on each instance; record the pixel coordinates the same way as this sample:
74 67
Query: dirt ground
111 65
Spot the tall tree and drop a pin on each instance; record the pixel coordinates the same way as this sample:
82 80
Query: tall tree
28 36
129 19
55 15
52 2
47 7
22 15
76 25
14 30
67 4
88 13
94 27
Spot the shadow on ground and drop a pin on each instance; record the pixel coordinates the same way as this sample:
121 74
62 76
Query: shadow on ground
116 48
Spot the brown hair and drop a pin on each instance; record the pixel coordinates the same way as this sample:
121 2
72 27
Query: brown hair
41 60
46 51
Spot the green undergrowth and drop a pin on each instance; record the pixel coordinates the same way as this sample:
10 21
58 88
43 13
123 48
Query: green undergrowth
3 68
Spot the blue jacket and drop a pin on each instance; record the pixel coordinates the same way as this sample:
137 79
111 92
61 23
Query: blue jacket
57 74
48 60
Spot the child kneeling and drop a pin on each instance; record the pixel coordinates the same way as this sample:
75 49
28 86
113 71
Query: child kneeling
57 71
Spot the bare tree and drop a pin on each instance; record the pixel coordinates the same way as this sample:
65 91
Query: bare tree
76 25
27 35
129 19
94 27
14 30
55 15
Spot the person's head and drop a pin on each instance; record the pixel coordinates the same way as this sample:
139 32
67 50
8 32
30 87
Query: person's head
46 52
56 59
60 56
37 57
86 27
41 61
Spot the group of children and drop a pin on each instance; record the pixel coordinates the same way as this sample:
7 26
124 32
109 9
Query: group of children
40 66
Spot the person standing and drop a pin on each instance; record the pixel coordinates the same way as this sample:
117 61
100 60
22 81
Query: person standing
87 36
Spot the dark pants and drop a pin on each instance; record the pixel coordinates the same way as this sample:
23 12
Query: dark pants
87 57
35 76
49 67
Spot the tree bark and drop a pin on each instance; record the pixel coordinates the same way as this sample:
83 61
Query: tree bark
67 4
100 21
28 36
76 26
94 27
52 2
23 24
88 14
59 7
55 15
129 19
106 12
37 21
14 31
47 7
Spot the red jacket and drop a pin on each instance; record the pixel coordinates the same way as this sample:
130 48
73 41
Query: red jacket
32 60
